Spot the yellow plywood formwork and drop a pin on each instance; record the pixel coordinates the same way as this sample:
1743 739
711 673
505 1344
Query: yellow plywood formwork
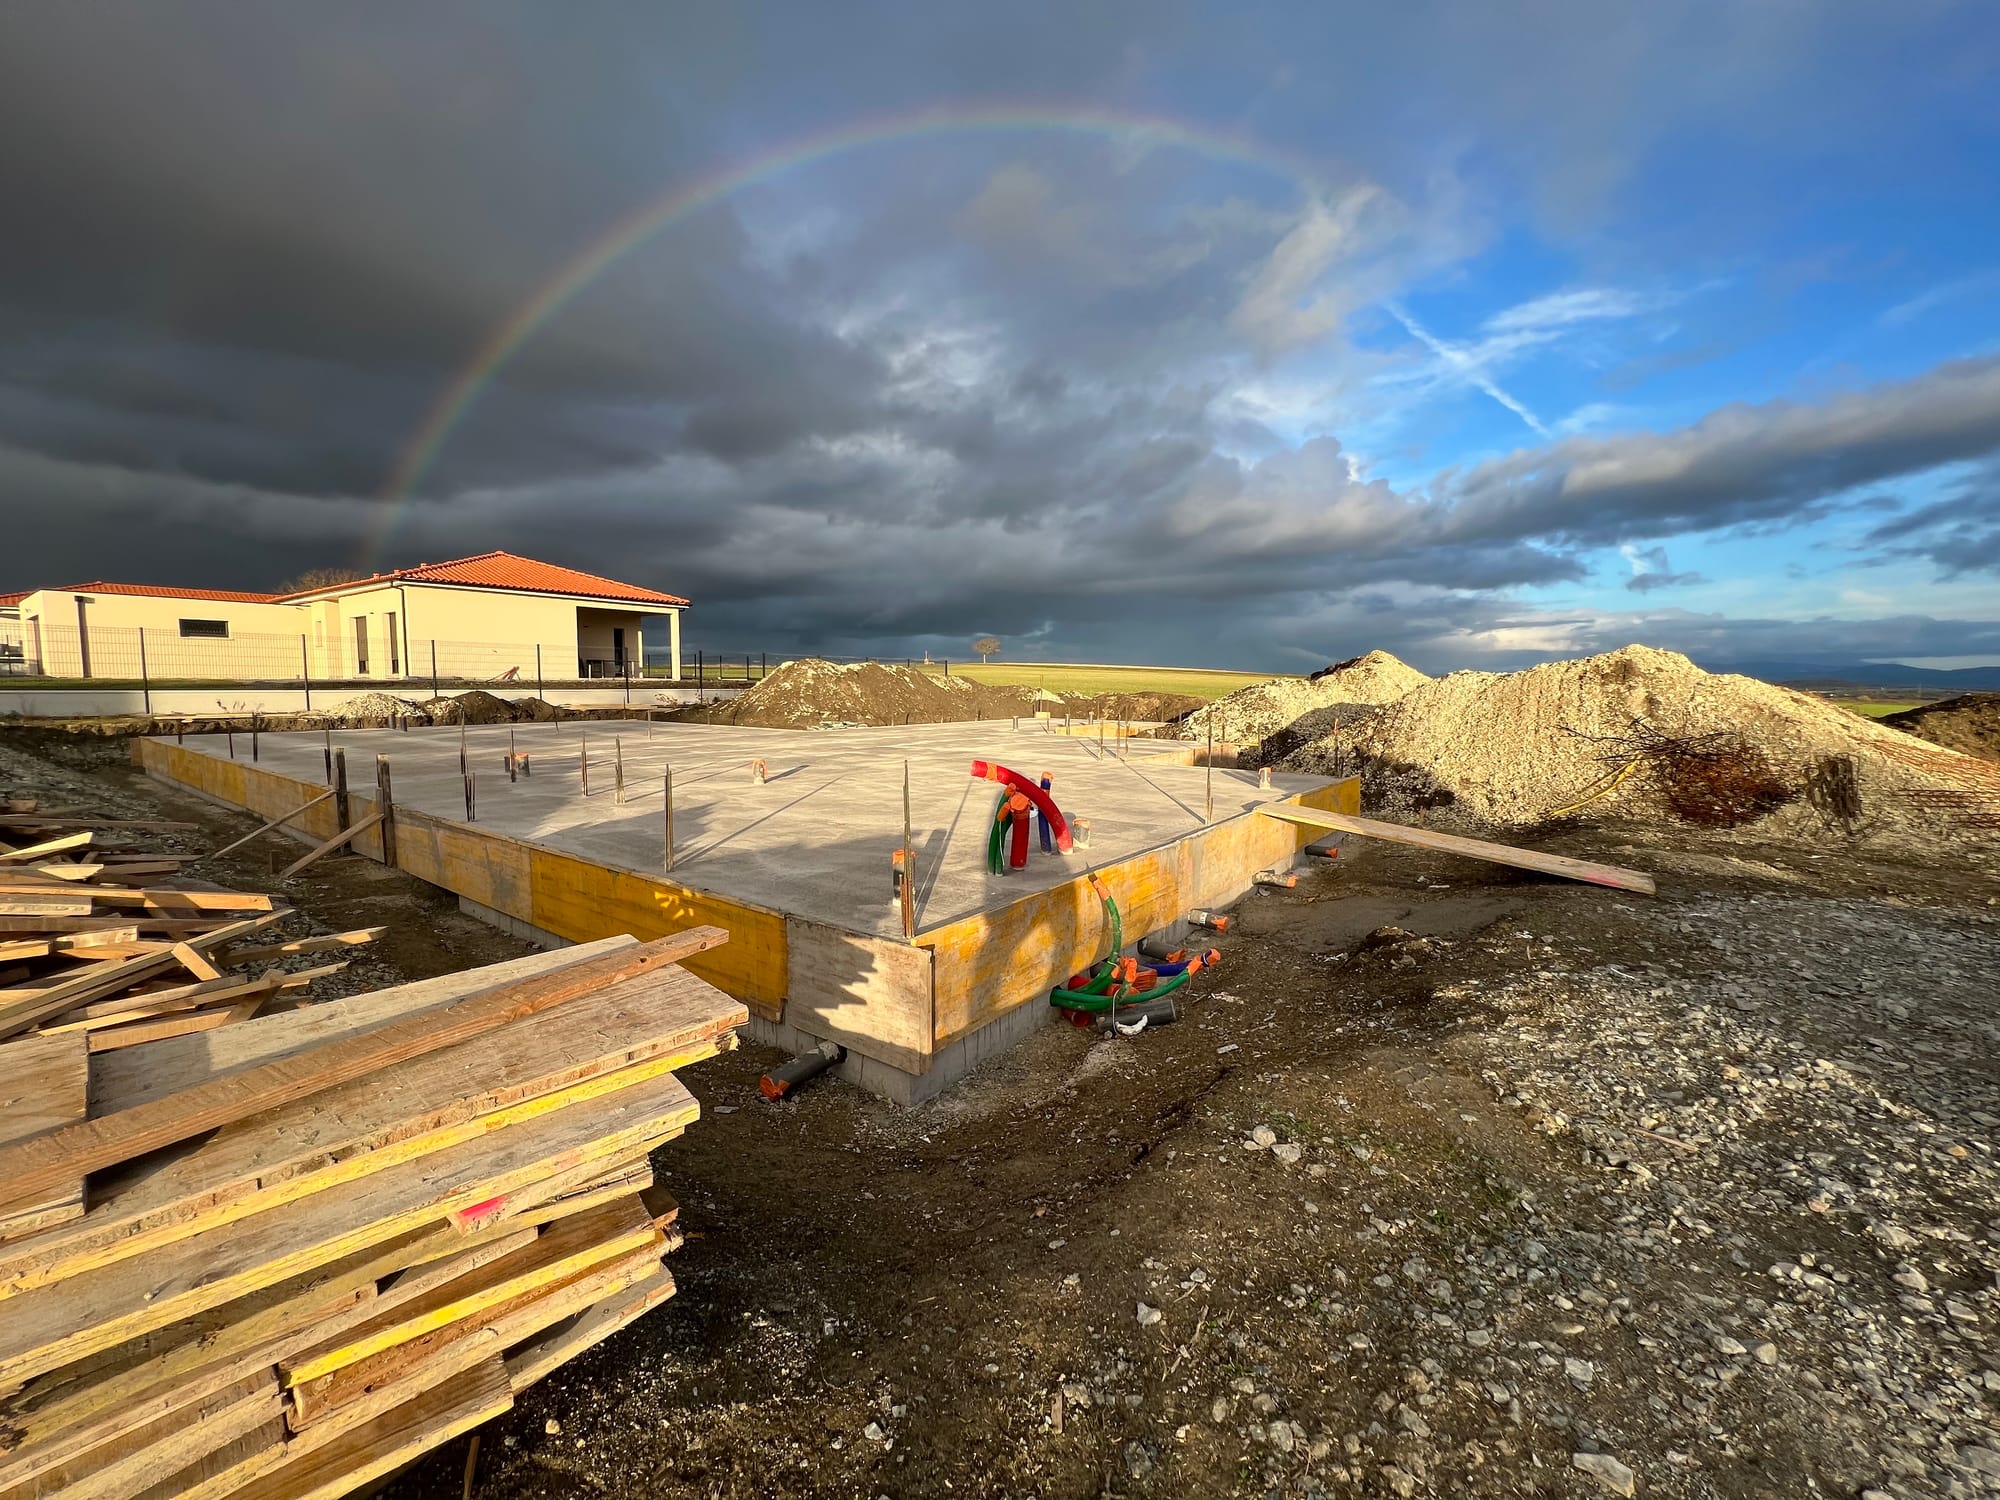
569 897
868 993
576 899
492 871
989 963
249 786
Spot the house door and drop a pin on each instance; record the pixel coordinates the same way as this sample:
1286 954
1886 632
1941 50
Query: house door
618 649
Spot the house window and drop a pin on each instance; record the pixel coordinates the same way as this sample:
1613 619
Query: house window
205 630
395 647
361 645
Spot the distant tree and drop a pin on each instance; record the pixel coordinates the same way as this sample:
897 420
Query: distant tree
319 578
987 645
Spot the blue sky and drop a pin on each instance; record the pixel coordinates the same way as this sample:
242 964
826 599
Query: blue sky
1481 334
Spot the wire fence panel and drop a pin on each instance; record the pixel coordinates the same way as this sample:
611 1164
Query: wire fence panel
59 655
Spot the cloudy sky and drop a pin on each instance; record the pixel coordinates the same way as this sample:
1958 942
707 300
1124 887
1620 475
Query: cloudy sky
1235 335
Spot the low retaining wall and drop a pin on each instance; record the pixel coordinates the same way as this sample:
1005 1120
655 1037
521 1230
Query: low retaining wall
212 703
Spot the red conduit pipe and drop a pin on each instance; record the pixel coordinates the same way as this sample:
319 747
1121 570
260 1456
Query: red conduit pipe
989 771
1017 853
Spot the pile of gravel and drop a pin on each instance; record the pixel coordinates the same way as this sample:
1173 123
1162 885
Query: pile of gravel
366 710
1287 712
1516 749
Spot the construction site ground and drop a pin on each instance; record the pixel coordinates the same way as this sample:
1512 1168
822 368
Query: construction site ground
1549 1190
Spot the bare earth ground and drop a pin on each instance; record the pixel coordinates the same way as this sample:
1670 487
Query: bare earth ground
1566 1191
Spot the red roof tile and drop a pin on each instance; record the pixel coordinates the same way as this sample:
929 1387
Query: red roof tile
503 570
7 599
157 591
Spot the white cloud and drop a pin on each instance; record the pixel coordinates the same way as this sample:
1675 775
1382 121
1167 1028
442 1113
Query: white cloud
1468 363
1285 306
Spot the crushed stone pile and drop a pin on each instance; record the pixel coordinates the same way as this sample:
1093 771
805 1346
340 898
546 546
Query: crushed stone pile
1694 748
1270 719
366 710
1969 724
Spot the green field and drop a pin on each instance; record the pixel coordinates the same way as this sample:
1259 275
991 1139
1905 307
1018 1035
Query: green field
1070 677
1872 710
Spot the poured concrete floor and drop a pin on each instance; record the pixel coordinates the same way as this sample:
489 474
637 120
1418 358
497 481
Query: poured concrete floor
815 840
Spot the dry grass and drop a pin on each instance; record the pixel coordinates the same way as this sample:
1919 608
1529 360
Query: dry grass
1071 677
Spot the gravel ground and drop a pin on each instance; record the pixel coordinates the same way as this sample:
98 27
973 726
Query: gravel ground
1454 1183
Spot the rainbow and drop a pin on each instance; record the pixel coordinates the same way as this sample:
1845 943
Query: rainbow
459 394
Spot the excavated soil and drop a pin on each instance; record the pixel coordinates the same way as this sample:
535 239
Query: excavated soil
1516 750
1969 724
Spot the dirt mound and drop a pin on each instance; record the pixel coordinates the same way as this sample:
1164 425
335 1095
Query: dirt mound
1646 734
473 707
1153 708
810 693
1969 724
1269 719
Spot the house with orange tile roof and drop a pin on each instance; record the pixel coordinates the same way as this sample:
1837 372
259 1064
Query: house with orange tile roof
495 617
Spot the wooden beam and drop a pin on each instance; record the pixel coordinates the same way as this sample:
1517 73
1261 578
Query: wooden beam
277 822
1450 843
48 1161
38 824
23 1008
342 837
34 852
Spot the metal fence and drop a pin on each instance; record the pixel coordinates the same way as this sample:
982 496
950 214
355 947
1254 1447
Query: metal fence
33 653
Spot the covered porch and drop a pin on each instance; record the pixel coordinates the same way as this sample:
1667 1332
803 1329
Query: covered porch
611 640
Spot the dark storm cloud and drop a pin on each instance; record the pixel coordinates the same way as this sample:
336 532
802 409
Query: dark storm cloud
1739 465
1960 534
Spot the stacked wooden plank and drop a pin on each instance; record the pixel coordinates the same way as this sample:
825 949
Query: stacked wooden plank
287 1257
113 942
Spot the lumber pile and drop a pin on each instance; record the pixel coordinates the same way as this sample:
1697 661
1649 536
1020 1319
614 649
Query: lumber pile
118 944
289 1256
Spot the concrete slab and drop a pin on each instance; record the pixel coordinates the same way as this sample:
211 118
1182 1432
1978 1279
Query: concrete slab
815 839
797 869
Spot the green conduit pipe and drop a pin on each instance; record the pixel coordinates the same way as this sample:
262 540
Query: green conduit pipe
996 834
1107 971
1085 1000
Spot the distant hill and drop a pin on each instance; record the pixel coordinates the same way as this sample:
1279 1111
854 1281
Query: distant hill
1823 675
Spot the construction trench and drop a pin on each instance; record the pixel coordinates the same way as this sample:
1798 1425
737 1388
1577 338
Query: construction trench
564 833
